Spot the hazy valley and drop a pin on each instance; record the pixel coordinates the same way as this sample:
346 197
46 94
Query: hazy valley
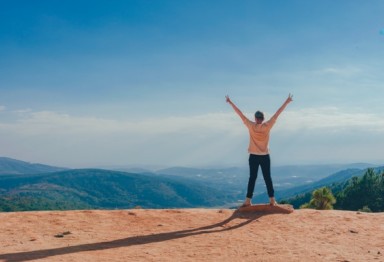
26 186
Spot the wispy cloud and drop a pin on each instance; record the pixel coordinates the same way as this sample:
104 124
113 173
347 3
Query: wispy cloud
331 118
62 138
49 122
198 140
43 122
344 71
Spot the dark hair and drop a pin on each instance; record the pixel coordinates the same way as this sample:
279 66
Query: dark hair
259 115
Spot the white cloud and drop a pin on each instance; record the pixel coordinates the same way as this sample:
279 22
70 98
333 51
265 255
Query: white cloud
328 135
46 122
340 71
310 134
82 140
331 118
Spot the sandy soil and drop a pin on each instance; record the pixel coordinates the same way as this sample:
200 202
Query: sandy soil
191 235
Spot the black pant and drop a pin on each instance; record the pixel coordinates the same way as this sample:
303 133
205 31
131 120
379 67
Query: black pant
254 162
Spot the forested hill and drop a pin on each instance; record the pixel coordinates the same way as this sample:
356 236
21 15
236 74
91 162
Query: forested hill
363 191
96 188
26 186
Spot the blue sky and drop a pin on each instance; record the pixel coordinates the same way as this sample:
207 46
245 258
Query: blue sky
97 83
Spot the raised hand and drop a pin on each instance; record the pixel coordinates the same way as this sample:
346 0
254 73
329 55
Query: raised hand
228 99
290 98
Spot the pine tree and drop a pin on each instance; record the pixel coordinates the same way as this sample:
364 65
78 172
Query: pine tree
322 199
367 191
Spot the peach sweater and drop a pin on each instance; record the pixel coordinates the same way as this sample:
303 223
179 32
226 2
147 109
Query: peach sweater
259 136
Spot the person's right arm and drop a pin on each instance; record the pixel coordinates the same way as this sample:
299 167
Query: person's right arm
237 110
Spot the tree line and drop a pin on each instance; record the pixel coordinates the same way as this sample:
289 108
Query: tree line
364 193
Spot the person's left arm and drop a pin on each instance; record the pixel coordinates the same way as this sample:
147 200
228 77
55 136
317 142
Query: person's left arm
281 109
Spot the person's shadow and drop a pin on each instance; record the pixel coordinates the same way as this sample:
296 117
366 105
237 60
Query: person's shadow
136 240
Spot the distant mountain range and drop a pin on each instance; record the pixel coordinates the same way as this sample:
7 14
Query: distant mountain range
96 188
10 166
26 186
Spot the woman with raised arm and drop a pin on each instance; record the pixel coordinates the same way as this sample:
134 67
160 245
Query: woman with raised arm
259 149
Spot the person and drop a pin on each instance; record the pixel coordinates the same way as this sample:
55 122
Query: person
259 149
